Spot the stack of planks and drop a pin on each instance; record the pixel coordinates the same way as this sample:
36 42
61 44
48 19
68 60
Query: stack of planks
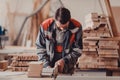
96 26
100 50
105 56
89 55
20 61
108 53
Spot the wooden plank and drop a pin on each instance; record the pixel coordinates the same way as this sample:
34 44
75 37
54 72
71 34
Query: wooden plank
103 39
111 18
3 65
116 14
108 53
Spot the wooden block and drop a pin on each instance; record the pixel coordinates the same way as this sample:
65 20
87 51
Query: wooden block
3 65
35 69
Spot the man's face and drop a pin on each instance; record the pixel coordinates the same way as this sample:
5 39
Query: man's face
62 26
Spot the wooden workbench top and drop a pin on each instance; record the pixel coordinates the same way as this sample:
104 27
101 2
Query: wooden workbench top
18 76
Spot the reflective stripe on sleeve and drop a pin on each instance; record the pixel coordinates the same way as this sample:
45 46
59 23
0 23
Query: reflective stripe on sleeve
77 50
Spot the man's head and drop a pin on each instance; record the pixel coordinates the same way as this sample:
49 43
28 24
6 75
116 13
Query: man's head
62 17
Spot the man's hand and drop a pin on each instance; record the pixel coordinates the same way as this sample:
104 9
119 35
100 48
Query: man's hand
60 65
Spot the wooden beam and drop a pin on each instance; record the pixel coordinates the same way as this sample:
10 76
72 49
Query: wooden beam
111 18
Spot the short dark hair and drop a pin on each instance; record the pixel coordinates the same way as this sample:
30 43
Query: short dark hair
62 15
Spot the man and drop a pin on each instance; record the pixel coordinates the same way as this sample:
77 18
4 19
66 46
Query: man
59 42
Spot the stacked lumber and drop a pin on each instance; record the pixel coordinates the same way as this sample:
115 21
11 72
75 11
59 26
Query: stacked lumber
20 61
35 69
107 50
88 61
3 65
89 45
100 49
108 53
96 26
89 55
107 63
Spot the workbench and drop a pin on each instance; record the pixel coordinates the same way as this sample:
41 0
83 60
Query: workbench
8 75
78 75
18 76
88 75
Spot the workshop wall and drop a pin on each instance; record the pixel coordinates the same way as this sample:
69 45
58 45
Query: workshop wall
13 12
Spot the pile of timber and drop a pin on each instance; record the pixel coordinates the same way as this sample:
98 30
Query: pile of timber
96 26
105 55
89 58
20 61
108 53
100 49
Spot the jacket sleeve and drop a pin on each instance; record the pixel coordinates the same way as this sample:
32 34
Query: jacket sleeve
41 48
75 52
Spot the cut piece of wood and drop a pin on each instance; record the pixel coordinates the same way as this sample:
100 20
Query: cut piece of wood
108 53
108 47
107 63
3 65
116 13
103 39
35 69
112 20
